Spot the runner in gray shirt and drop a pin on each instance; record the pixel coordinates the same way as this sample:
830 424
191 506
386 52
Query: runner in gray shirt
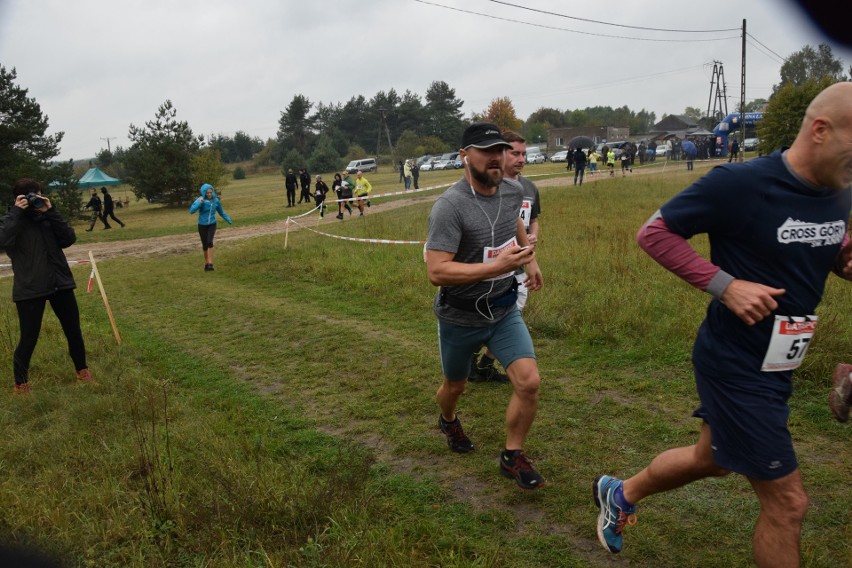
476 243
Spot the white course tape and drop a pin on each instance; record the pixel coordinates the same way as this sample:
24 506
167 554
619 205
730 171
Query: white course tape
375 241
403 192
7 265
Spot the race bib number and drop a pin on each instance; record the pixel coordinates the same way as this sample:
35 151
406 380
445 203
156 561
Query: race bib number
526 212
491 253
790 339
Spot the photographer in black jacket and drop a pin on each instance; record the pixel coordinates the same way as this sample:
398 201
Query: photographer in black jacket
33 234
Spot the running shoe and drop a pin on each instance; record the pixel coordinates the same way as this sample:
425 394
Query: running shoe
485 374
840 397
612 518
517 466
23 388
84 376
457 440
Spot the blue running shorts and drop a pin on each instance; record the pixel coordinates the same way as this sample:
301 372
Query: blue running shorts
748 416
509 340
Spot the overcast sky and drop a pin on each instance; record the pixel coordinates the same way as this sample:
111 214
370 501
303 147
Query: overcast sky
97 66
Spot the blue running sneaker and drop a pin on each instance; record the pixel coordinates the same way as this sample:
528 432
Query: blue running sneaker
612 518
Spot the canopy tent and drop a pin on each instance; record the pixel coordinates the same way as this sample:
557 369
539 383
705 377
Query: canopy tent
96 178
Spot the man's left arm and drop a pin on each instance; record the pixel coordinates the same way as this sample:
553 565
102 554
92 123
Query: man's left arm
843 266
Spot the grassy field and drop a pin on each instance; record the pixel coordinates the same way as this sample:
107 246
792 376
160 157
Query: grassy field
280 411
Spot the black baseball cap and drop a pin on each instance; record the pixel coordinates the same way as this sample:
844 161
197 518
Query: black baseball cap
483 135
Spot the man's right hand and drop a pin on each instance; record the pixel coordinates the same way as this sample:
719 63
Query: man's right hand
750 301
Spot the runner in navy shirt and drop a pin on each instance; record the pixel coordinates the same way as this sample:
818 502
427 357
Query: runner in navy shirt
777 226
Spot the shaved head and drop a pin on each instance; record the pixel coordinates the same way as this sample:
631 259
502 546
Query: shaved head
834 103
822 150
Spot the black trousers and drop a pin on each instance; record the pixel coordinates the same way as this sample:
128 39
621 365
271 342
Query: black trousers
207 232
111 215
30 315
291 196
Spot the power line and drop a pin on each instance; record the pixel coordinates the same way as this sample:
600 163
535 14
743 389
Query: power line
766 48
493 17
610 23
761 50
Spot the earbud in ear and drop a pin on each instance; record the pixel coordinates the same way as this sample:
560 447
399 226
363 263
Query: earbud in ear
465 160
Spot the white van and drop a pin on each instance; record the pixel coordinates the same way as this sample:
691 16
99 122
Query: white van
365 165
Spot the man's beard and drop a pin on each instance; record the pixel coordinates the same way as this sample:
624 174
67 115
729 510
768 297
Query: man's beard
486 179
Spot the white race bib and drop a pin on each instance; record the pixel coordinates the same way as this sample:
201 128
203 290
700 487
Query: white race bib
491 253
790 339
526 212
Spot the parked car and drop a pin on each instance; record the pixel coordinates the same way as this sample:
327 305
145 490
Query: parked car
615 146
457 163
426 166
661 150
424 159
365 165
751 144
536 158
561 156
443 165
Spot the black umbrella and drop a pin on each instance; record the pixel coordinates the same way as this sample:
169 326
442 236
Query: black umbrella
581 142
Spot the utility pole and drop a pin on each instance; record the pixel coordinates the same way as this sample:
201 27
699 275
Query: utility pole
742 94
718 96
383 122
107 141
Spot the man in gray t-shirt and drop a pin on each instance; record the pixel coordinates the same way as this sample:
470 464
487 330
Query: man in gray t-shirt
476 243
482 369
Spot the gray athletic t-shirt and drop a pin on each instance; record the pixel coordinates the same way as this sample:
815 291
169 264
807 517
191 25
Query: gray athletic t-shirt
461 223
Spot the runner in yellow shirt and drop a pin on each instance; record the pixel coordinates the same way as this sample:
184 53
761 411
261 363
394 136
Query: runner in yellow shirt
362 190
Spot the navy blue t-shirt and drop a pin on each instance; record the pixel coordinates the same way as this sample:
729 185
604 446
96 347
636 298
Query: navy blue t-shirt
768 226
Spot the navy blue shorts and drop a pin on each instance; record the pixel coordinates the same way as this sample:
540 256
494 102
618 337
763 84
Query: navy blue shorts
747 416
508 339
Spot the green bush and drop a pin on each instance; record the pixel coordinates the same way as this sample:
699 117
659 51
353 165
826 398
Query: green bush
239 173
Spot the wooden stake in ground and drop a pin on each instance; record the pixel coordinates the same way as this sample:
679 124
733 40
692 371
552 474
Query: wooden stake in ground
286 231
104 296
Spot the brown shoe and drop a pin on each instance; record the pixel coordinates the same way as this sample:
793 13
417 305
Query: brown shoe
840 397
84 376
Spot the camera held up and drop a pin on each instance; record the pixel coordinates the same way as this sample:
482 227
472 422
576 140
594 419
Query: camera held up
35 200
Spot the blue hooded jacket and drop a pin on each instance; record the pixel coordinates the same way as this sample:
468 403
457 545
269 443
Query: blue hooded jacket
208 208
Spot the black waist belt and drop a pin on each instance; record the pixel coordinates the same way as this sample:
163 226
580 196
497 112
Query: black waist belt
474 304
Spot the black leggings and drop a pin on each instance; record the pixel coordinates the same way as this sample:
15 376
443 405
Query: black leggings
30 314
207 232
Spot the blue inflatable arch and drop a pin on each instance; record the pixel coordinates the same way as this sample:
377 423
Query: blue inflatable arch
732 124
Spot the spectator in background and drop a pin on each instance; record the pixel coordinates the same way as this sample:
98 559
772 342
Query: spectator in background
33 235
109 208
95 205
406 171
735 151
290 183
401 172
305 180
415 173
579 165
569 159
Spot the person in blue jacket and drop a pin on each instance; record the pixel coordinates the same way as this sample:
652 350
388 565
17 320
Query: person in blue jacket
207 205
